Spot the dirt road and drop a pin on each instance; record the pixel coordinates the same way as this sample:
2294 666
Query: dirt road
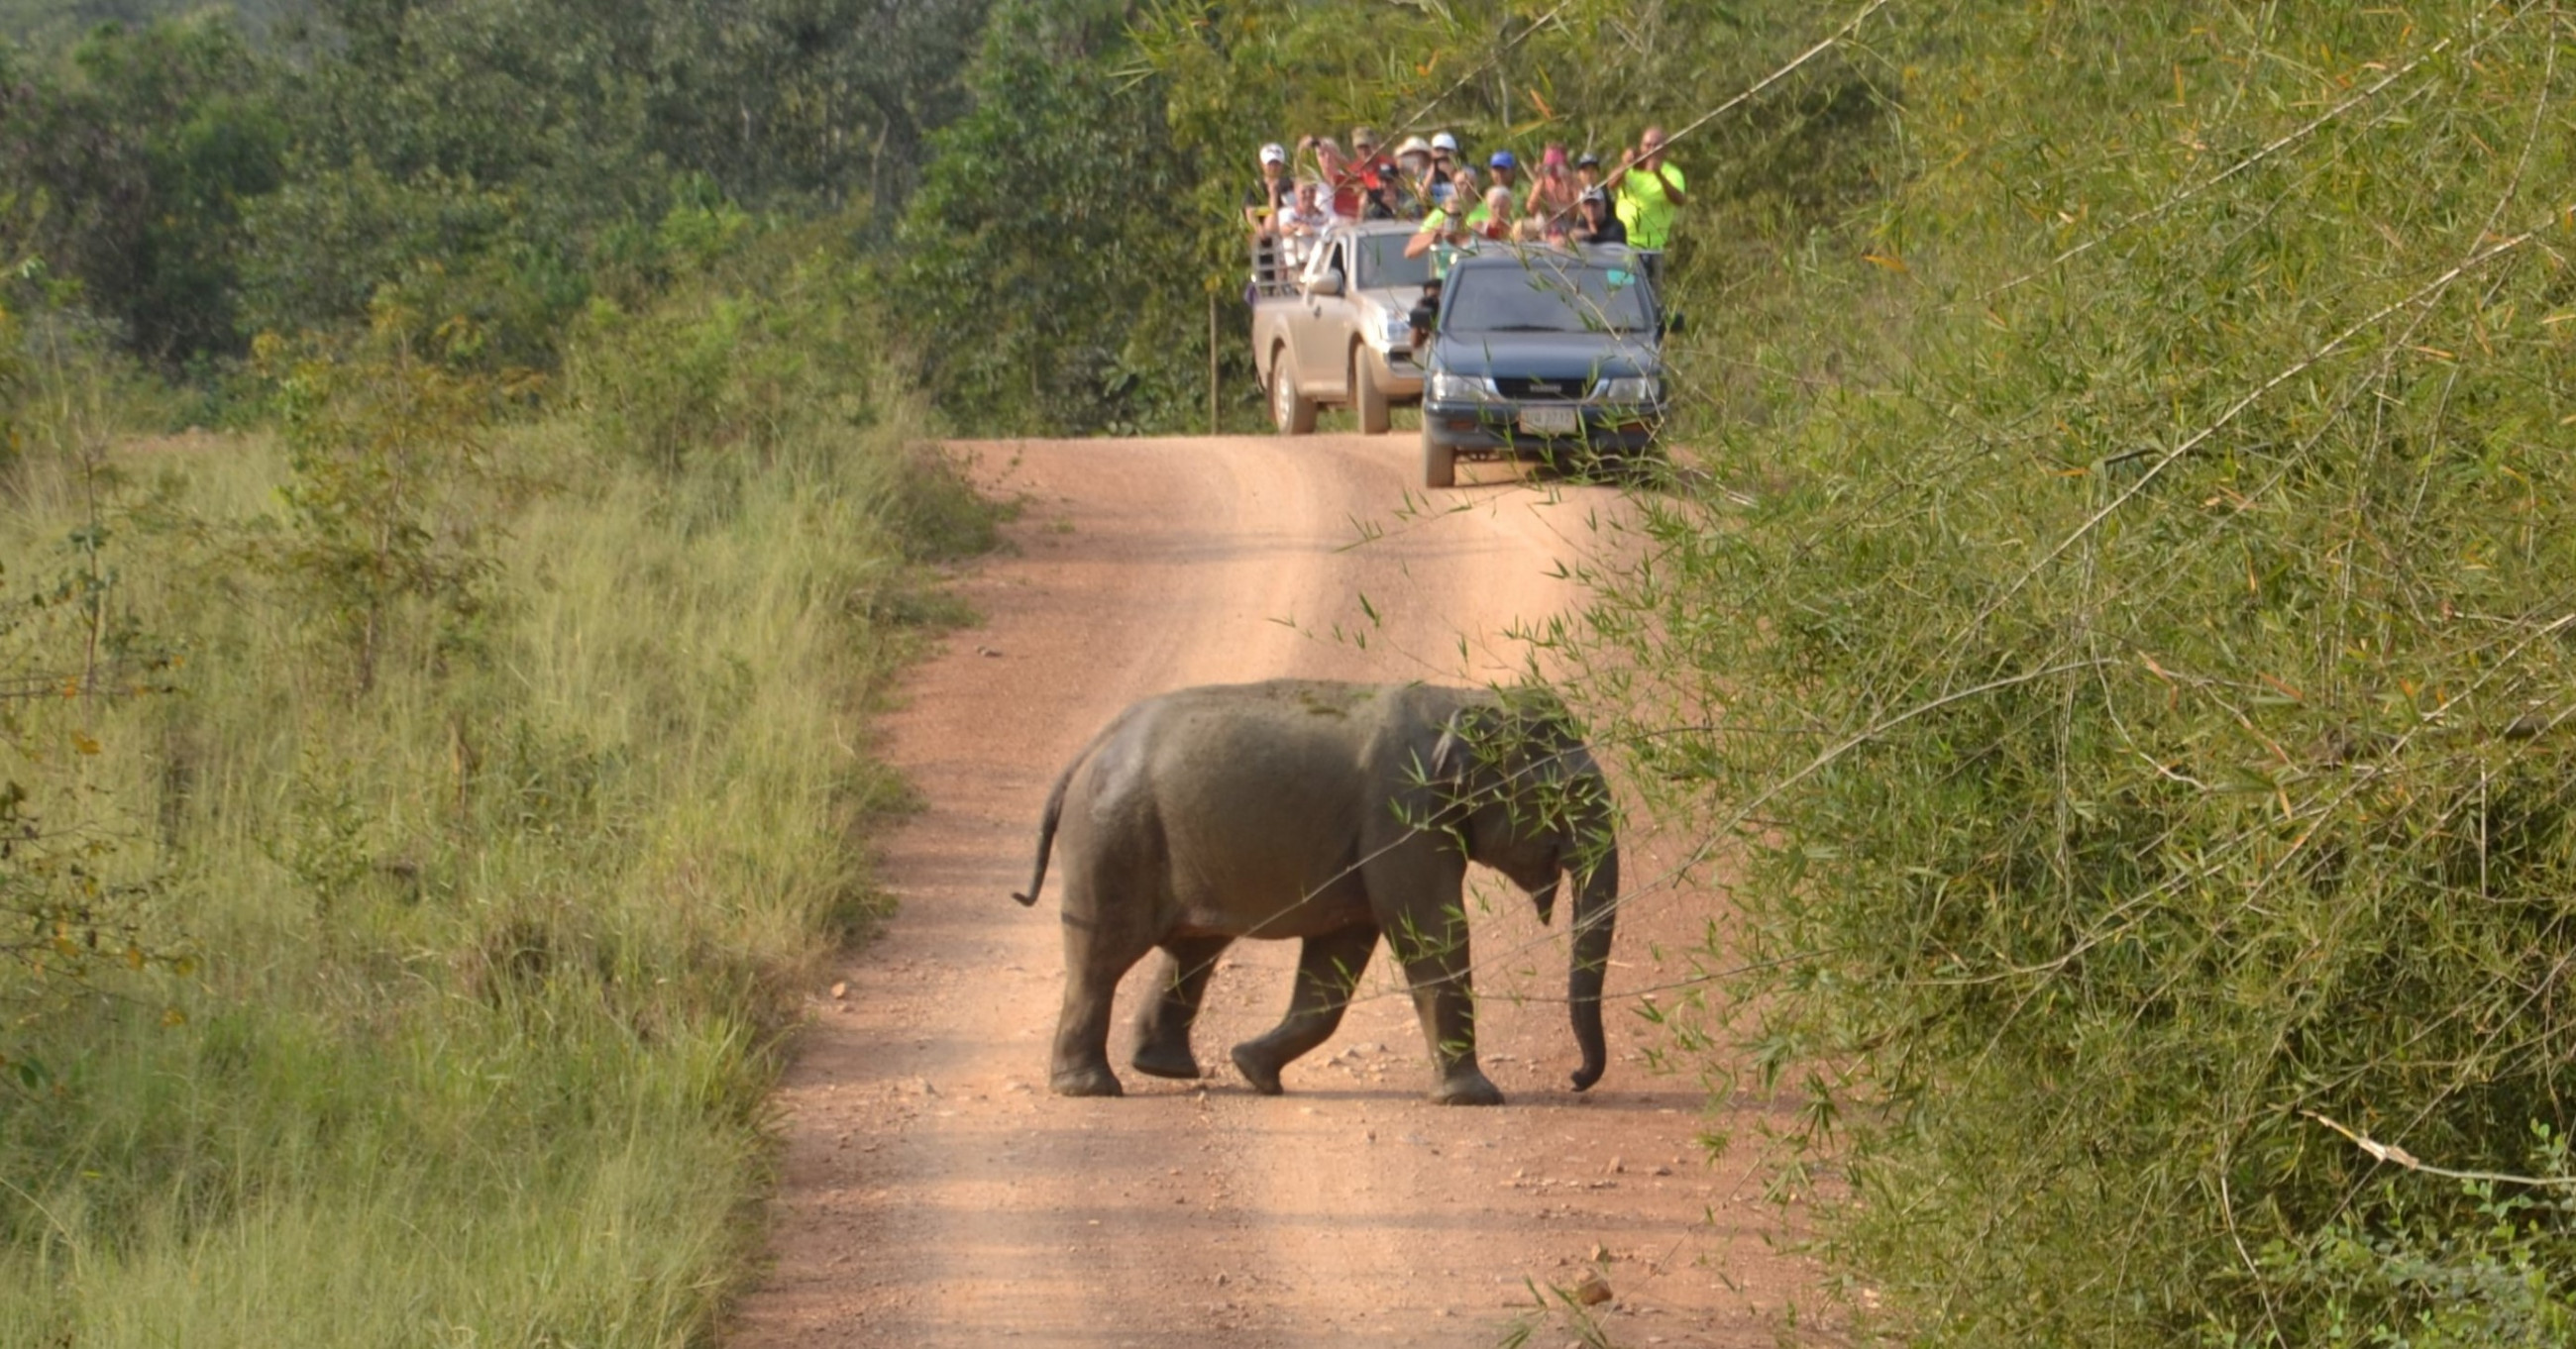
934 1192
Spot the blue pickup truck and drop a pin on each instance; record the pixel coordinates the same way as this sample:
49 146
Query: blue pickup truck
1542 353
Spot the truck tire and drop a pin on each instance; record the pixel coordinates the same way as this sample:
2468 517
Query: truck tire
1439 462
1293 412
1367 399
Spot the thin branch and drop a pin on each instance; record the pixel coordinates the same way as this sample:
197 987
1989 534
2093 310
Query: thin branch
2397 1156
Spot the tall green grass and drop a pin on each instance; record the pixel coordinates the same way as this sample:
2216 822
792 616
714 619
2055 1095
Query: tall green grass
467 970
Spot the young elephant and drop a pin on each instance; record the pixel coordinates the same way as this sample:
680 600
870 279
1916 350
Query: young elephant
1328 812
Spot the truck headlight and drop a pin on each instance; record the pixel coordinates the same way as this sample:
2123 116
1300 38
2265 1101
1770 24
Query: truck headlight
1628 389
1397 329
1449 388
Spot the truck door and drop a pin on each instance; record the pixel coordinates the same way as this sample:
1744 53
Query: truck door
1319 330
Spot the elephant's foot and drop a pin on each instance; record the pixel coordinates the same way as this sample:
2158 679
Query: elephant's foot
1166 1061
1468 1088
1094 1080
1260 1072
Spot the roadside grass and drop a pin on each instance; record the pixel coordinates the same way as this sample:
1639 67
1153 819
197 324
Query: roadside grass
445 984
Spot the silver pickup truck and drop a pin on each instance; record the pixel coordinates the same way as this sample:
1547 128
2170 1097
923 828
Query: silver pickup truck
1337 330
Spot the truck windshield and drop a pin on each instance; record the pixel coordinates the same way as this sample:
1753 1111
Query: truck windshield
1382 263
1546 297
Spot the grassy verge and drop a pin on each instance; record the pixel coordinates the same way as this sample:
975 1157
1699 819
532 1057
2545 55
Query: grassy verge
409 957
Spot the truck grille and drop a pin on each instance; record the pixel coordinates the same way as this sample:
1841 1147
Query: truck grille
1521 389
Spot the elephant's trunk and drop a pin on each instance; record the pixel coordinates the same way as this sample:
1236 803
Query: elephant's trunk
1596 912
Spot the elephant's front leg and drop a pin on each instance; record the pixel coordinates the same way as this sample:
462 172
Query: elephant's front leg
1163 1028
1327 970
1436 964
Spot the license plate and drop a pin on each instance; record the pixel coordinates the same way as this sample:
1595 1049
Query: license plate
1551 421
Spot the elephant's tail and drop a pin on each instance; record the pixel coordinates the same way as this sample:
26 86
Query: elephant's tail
1046 826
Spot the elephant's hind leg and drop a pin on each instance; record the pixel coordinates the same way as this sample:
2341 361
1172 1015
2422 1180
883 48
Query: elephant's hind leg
1098 953
1163 1028
1327 970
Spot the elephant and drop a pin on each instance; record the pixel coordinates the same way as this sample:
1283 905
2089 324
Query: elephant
1330 812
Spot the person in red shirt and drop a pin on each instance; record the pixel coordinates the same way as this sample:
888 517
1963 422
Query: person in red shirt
1335 171
1377 175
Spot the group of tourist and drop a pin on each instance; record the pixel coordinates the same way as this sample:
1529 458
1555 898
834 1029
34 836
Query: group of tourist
1562 200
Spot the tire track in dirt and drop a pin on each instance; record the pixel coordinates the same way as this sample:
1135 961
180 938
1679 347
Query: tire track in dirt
933 1193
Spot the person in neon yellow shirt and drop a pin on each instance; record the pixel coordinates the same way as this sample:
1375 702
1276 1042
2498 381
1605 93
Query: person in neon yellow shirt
1650 191
1443 235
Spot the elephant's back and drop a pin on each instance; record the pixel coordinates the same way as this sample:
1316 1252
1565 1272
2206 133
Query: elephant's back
1258 791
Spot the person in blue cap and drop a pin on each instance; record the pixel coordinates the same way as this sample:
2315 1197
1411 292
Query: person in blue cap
1506 171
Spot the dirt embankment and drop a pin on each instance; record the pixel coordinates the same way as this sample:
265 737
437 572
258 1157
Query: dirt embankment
936 1194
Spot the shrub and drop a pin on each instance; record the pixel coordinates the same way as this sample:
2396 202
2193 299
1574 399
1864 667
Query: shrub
2139 722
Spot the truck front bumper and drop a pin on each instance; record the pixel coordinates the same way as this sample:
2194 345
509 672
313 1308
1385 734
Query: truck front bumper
1506 429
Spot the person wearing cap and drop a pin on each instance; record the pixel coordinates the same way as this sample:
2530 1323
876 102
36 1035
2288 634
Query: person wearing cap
1444 166
1365 153
1506 168
1594 222
1649 191
1375 174
1273 194
1553 194
1587 173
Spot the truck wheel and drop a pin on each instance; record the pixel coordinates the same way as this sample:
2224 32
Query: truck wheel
1439 462
1293 412
1367 399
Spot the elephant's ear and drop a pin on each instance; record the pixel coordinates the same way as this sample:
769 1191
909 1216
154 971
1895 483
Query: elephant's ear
1470 742
1454 753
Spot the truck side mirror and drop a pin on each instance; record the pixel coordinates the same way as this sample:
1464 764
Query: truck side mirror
1676 323
1330 283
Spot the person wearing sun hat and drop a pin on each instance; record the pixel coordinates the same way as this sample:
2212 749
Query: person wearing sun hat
1413 177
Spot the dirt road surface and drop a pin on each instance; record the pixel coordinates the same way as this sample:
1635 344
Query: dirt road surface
934 1193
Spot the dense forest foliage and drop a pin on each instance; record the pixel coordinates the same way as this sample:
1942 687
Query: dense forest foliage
503 162
2105 627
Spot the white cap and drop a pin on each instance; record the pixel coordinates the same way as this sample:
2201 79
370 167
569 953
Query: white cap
1274 153
1442 140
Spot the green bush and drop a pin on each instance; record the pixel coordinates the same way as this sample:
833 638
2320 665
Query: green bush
2137 722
